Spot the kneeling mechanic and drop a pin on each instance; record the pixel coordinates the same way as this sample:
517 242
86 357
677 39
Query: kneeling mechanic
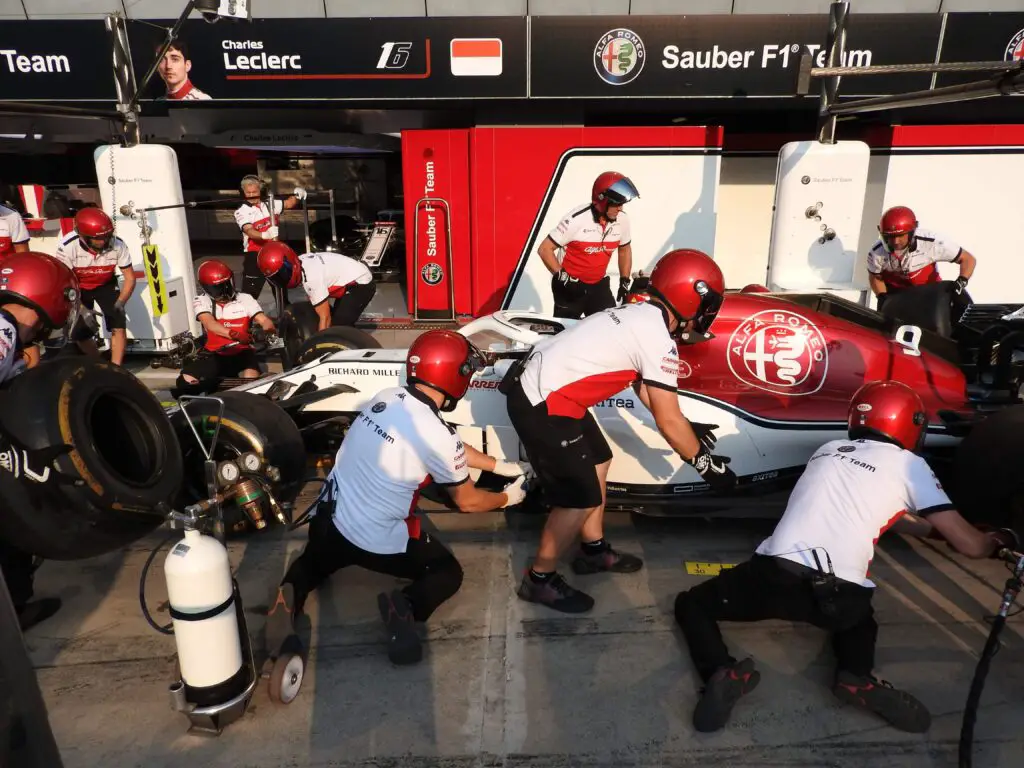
367 516
814 566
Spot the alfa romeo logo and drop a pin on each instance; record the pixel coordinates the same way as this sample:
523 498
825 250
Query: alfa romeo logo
432 273
1015 48
619 56
780 352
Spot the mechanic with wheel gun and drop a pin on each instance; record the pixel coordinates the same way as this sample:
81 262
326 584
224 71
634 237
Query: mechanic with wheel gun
39 299
549 394
814 566
366 514
323 276
95 254
906 255
226 316
253 218
589 235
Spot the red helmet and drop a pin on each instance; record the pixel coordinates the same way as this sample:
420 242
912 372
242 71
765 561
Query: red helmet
279 264
611 188
95 229
889 410
896 221
445 361
217 280
754 288
44 284
690 283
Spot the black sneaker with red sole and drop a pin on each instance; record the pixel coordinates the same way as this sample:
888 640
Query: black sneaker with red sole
608 560
404 646
727 686
555 593
896 707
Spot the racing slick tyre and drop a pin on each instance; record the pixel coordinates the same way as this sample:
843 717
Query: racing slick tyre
934 307
987 483
112 483
297 323
250 423
337 338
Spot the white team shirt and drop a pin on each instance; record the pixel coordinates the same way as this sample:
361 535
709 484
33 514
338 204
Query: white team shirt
259 217
93 270
187 92
235 315
326 275
12 231
392 450
600 356
11 363
916 267
850 494
588 245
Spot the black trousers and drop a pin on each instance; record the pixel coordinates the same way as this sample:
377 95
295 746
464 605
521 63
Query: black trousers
349 308
576 299
18 573
435 573
769 588
210 369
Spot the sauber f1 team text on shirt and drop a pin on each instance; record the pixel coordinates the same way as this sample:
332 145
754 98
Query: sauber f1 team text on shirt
599 357
259 217
394 448
235 315
914 267
93 269
12 231
327 275
850 494
589 244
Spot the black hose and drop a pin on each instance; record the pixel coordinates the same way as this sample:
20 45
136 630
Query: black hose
169 629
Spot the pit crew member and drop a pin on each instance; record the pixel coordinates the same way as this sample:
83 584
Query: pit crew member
253 218
564 375
38 298
907 255
323 276
174 69
589 235
814 566
393 448
14 238
95 254
226 316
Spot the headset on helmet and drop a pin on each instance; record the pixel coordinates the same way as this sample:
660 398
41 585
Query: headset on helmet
280 264
44 284
445 361
611 188
691 286
889 411
896 221
217 280
95 229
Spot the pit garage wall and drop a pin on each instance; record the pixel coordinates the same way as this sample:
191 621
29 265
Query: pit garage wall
508 186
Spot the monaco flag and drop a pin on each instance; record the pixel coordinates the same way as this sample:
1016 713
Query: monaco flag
476 56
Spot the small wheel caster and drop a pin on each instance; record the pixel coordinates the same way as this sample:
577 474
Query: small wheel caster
286 678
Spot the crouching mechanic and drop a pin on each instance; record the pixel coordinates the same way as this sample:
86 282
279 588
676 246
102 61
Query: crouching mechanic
366 517
38 299
96 254
226 316
324 276
564 375
814 566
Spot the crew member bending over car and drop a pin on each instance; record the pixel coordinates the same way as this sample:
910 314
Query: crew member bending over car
253 218
906 255
814 566
14 238
96 254
589 235
39 298
397 445
324 276
226 316
566 374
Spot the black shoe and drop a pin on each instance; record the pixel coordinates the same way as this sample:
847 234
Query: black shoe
721 693
404 646
898 708
37 611
555 593
606 560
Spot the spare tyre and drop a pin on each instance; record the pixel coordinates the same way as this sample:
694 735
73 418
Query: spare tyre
933 307
337 338
121 449
297 323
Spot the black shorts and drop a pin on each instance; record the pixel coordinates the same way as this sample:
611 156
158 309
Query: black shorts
576 298
563 451
349 308
210 367
106 296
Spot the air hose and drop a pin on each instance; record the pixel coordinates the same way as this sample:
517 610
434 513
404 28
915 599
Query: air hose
169 629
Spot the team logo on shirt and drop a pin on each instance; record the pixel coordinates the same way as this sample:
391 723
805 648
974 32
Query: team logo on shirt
378 407
619 56
780 352
1015 48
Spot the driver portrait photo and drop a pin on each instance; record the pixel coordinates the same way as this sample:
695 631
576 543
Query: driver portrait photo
174 69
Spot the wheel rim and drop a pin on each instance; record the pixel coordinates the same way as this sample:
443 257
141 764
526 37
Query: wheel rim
291 679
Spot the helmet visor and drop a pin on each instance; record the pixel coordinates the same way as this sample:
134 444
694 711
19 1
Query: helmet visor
707 310
224 291
283 276
99 243
475 361
621 192
54 337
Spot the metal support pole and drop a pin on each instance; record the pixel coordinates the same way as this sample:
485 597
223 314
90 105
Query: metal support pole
124 79
1003 85
836 46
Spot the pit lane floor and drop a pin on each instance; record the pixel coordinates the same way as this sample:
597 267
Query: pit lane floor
506 683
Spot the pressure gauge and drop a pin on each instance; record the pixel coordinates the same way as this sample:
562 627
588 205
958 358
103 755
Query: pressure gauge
251 462
229 472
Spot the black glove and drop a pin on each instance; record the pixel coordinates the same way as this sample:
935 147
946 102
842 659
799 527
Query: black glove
562 276
714 470
623 290
706 434
882 298
960 286
41 459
